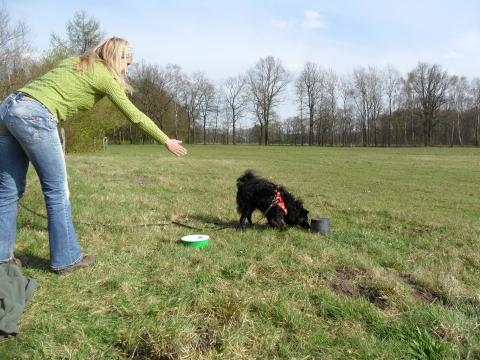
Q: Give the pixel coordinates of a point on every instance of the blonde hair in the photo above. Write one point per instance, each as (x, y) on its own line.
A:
(114, 53)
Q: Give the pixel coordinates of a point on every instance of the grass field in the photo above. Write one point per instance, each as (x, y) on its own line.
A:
(398, 277)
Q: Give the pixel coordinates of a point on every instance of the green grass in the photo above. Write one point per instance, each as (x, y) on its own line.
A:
(398, 277)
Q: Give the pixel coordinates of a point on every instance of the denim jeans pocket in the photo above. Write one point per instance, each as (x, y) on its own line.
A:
(31, 120)
(4, 106)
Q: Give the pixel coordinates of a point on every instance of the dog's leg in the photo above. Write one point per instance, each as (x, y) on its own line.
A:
(249, 216)
(276, 221)
(242, 221)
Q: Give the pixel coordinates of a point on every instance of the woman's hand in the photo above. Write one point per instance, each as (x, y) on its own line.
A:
(173, 145)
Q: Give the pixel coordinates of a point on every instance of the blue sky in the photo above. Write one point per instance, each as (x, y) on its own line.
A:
(225, 38)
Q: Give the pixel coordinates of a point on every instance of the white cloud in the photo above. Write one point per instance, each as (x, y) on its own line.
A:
(313, 20)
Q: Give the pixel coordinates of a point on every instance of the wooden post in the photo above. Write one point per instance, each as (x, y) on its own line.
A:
(105, 143)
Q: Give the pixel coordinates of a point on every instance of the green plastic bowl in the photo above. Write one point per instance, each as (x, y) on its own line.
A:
(197, 241)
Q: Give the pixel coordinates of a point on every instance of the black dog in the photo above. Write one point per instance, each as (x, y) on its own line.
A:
(274, 201)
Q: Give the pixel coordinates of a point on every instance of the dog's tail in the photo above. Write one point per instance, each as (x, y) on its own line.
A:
(249, 174)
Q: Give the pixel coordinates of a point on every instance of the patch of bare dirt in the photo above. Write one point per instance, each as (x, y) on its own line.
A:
(142, 180)
(424, 293)
(346, 282)
(207, 340)
(145, 349)
(374, 296)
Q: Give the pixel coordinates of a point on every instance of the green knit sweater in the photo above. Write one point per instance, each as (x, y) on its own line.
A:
(66, 90)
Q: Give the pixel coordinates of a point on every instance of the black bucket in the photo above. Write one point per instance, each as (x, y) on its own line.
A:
(321, 226)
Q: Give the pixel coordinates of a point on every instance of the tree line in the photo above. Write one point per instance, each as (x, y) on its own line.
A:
(371, 106)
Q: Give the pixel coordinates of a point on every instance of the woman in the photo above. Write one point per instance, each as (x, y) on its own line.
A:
(28, 133)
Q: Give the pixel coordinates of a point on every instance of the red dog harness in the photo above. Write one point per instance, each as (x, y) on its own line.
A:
(278, 200)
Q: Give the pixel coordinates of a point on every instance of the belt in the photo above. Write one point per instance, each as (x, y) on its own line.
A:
(27, 96)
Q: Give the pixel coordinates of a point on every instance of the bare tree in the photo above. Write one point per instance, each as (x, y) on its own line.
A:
(308, 86)
(368, 98)
(430, 84)
(411, 111)
(14, 49)
(207, 104)
(227, 124)
(475, 91)
(267, 80)
(374, 82)
(236, 100)
(331, 97)
(460, 102)
(346, 96)
(175, 83)
(150, 91)
(361, 101)
(392, 83)
(300, 95)
(216, 115)
(191, 101)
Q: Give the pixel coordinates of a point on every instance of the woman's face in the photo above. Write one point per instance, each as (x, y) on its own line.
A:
(128, 62)
(128, 58)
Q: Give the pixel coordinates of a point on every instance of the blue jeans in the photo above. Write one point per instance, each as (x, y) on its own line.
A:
(28, 133)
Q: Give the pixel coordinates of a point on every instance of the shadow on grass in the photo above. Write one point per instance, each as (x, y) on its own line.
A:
(30, 224)
(216, 223)
(32, 261)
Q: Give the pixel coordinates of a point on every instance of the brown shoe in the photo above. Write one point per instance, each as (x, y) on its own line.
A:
(15, 261)
(86, 261)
